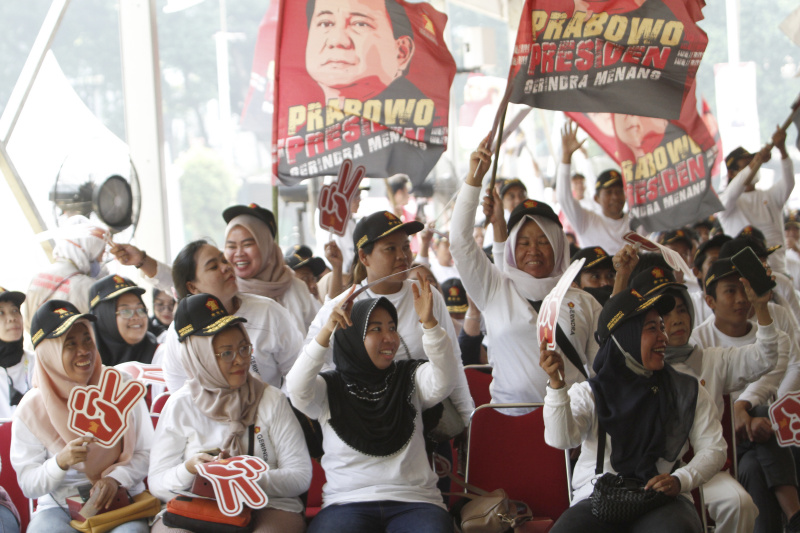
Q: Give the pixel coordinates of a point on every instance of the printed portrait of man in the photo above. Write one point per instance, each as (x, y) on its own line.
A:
(359, 48)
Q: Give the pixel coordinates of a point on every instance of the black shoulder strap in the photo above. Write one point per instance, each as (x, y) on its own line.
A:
(563, 343)
(251, 446)
(601, 449)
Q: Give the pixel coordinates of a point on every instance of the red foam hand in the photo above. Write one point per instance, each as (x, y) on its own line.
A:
(235, 483)
(785, 417)
(335, 198)
(103, 410)
(141, 372)
(548, 320)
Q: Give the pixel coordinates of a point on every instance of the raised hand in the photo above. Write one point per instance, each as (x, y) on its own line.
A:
(553, 364)
(569, 141)
(340, 318)
(423, 302)
(479, 161)
(493, 206)
(333, 254)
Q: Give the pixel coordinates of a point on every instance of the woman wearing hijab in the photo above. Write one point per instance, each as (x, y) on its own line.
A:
(536, 255)
(258, 262)
(222, 407)
(121, 327)
(16, 362)
(378, 475)
(201, 268)
(51, 460)
(721, 370)
(646, 413)
(163, 313)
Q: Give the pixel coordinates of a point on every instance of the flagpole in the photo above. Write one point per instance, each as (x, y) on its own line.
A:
(497, 152)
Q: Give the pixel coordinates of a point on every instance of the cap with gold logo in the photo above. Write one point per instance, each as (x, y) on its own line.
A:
(15, 297)
(202, 314)
(382, 224)
(455, 296)
(626, 305)
(721, 268)
(608, 178)
(595, 257)
(654, 281)
(111, 288)
(255, 210)
(53, 319)
(532, 208)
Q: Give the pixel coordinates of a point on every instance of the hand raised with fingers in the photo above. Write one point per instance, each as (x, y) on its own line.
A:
(479, 162)
(423, 302)
(569, 141)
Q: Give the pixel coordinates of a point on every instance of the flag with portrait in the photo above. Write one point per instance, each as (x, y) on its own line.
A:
(366, 80)
(614, 56)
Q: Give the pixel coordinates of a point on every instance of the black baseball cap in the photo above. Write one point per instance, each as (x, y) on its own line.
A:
(381, 224)
(734, 246)
(204, 315)
(595, 257)
(655, 280)
(514, 182)
(54, 318)
(714, 242)
(608, 178)
(708, 223)
(14, 297)
(735, 155)
(264, 215)
(792, 220)
(111, 287)
(721, 268)
(755, 233)
(676, 235)
(626, 305)
(533, 208)
(301, 255)
(455, 296)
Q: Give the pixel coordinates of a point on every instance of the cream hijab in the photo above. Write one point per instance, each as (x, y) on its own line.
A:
(529, 287)
(44, 410)
(275, 277)
(211, 393)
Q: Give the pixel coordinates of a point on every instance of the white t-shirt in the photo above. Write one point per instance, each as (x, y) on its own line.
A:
(183, 431)
(21, 377)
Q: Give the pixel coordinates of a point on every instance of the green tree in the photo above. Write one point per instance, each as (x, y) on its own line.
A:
(207, 188)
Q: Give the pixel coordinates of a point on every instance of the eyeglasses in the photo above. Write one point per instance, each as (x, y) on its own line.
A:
(244, 351)
(127, 314)
(165, 307)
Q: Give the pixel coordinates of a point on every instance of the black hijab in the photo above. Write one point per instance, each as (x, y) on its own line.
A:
(371, 409)
(648, 415)
(10, 353)
(112, 347)
(156, 327)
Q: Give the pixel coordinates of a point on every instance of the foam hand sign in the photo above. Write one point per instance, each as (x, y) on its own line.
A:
(334, 199)
(785, 417)
(144, 373)
(551, 305)
(104, 410)
(235, 483)
(672, 257)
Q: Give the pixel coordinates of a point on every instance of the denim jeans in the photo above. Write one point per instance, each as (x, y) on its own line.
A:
(8, 522)
(56, 520)
(382, 516)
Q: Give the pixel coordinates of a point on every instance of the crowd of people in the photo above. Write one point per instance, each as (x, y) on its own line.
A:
(356, 359)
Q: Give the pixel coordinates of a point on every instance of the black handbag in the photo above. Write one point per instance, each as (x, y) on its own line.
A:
(619, 500)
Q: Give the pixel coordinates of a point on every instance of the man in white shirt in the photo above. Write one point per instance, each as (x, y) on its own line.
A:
(704, 257)
(791, 230)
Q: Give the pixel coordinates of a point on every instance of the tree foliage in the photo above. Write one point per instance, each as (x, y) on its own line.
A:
(207, 188)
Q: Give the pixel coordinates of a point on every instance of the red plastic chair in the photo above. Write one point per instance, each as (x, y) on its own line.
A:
(158, 406)
(509, 452)
(479, 377)
(314, 499)
(8, 477)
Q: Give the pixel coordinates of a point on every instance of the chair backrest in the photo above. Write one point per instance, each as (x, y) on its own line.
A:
(729, 435)
(8, 477)
(509, 452)
(479, 377)
(314, 499)
(158, 406)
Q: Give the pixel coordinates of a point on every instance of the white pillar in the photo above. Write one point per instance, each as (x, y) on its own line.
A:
(144, 121)
(732, 18)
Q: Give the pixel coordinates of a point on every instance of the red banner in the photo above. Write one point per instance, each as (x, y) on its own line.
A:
(618, 56)
(667, 164)
(257, 111)
(367, 80)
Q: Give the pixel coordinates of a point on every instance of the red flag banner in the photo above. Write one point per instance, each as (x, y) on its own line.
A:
(667, 164)
(257, 110)
(366, 80)
(713, 129)
(618, 56)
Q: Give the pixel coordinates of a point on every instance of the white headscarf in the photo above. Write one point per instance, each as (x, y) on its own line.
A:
(80, 242)
(529, 287)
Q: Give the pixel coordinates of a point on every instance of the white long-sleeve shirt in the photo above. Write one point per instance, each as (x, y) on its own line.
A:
(276, 342)
(760, 208)
(184, 431)
(353, 476)
(511, 321)
(594, 229)
(570, 420)
(725, 369)
(40, 476)
(410, 331)
(19, 376)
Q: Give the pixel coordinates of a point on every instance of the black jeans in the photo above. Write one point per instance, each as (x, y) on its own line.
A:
(679, 516)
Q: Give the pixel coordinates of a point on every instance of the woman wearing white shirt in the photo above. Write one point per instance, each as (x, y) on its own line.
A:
(216, 408)
(646, 414)
(51, 459)
(17, 363)
(534, 259)
(378, 475)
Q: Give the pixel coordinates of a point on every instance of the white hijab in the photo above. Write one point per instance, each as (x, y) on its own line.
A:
(80, 241)
(529, 287)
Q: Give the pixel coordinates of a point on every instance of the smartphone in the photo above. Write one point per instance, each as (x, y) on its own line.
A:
(750, 267)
